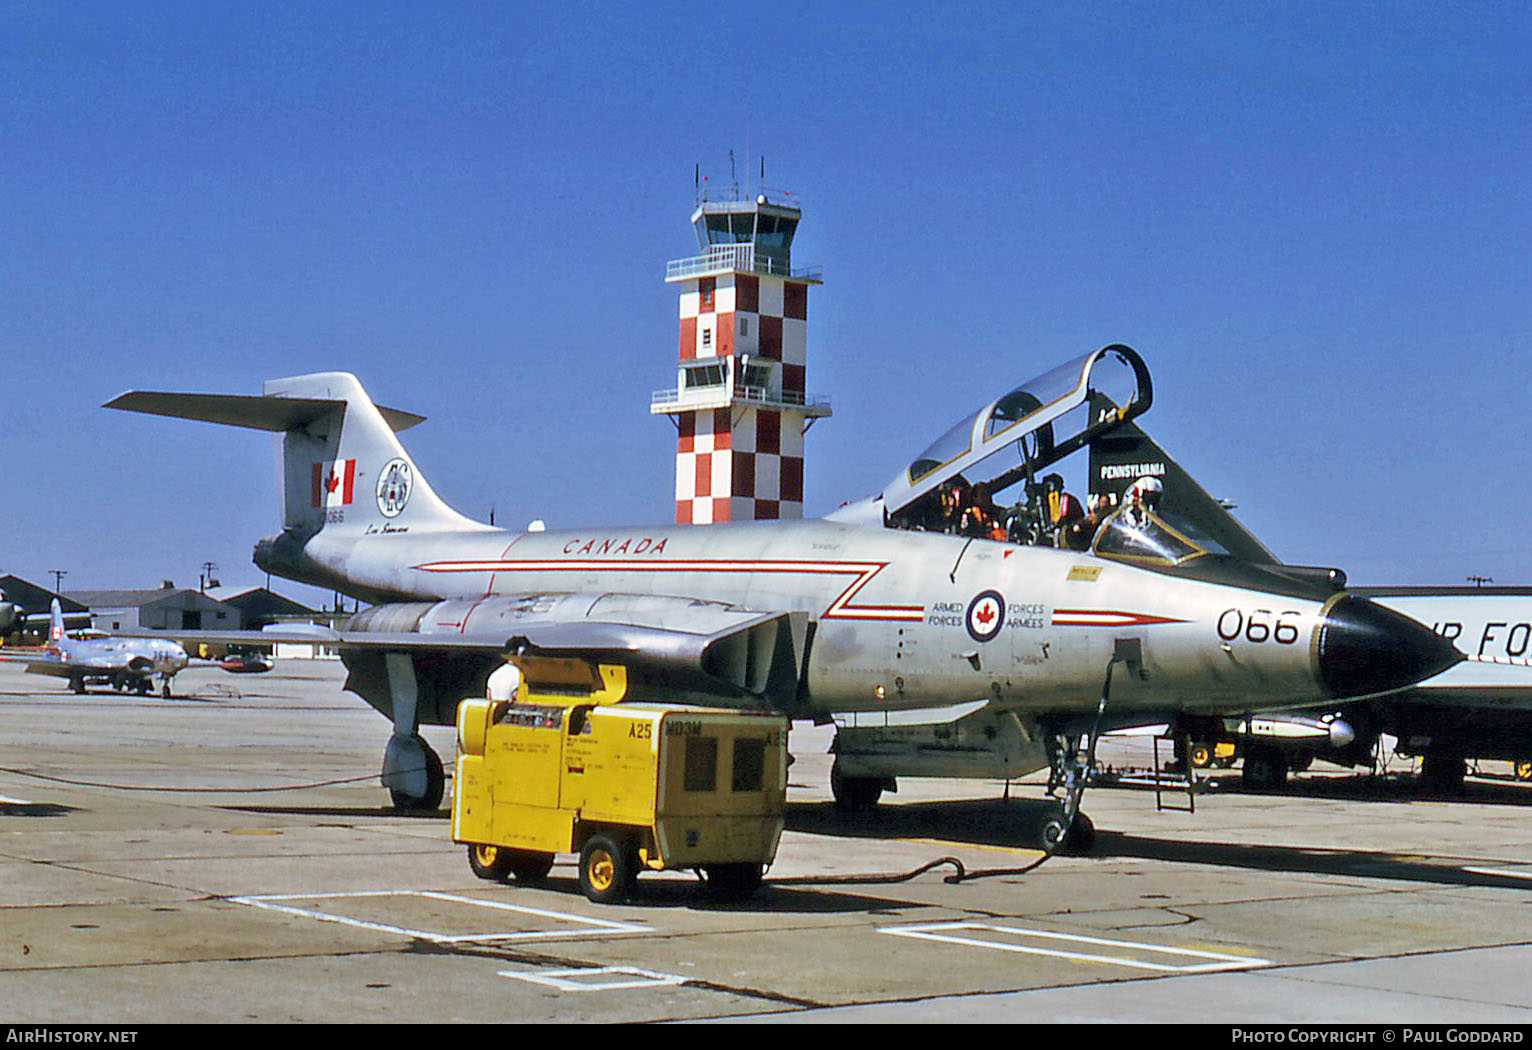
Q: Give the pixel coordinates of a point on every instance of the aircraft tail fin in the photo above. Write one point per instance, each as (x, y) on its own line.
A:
(343, 466)
(56, 623)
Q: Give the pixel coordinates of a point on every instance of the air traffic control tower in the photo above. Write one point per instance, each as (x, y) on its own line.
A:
(739, 404)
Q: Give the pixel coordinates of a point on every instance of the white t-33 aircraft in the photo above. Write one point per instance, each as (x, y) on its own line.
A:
(939, 654)
(96, 658)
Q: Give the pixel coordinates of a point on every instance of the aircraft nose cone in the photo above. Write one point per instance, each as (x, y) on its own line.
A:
(1364, 649)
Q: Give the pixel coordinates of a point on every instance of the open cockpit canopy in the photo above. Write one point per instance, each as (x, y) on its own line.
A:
(1019, 435)
(993, 476)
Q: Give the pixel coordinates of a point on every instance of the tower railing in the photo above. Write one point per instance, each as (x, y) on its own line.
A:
(738, 258)
(675, 399)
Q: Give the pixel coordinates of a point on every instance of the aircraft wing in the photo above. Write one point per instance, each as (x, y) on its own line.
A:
(37, 661)
(708, 647)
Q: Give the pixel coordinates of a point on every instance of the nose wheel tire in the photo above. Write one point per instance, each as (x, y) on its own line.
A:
(1079, 840)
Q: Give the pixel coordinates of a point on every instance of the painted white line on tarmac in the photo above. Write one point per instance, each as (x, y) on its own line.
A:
(584, 926)
(1508, 873)
(947, 933)
(596, 979)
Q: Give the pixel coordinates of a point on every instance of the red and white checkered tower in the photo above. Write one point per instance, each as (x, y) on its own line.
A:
(740, 405)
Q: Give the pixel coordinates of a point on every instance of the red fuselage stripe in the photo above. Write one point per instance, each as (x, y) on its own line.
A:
(1107, 618)
(839, 609)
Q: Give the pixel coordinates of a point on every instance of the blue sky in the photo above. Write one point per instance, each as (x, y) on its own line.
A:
(1313, 220)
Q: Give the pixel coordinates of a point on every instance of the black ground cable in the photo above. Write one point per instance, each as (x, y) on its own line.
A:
(194, 790)
(960, 875)
(870, 880)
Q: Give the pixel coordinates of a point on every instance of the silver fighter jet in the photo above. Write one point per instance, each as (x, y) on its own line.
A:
(123, 663)
(938, 654)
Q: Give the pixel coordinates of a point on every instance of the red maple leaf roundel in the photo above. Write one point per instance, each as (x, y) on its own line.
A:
(984, 619)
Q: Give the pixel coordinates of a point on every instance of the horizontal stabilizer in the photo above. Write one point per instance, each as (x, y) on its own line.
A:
(257, 412)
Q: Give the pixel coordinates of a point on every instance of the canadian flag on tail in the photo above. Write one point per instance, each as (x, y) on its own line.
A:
(334, 482)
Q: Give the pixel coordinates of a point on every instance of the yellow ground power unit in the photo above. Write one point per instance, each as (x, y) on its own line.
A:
(627, 787)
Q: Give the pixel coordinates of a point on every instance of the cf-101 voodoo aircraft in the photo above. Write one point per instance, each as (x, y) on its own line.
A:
(939, 654)
(124, 663)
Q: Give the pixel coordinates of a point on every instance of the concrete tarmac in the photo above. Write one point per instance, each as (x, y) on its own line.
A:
(228, 855)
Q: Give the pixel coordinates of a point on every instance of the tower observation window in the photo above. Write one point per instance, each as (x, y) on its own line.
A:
(757, 375)
(704, 375)
(733, 228)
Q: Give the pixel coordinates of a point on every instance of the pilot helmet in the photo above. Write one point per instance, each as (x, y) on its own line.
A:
(1147, 491)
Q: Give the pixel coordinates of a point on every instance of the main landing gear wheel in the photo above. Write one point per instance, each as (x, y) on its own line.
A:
(608, 870)
(1265, 769)
(854, 793)
(1443, 772)
(435, 784)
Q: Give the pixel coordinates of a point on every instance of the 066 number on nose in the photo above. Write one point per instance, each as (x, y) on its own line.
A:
(1259, 625)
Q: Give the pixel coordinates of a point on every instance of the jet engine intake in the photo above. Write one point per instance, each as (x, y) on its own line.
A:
(672, 648)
